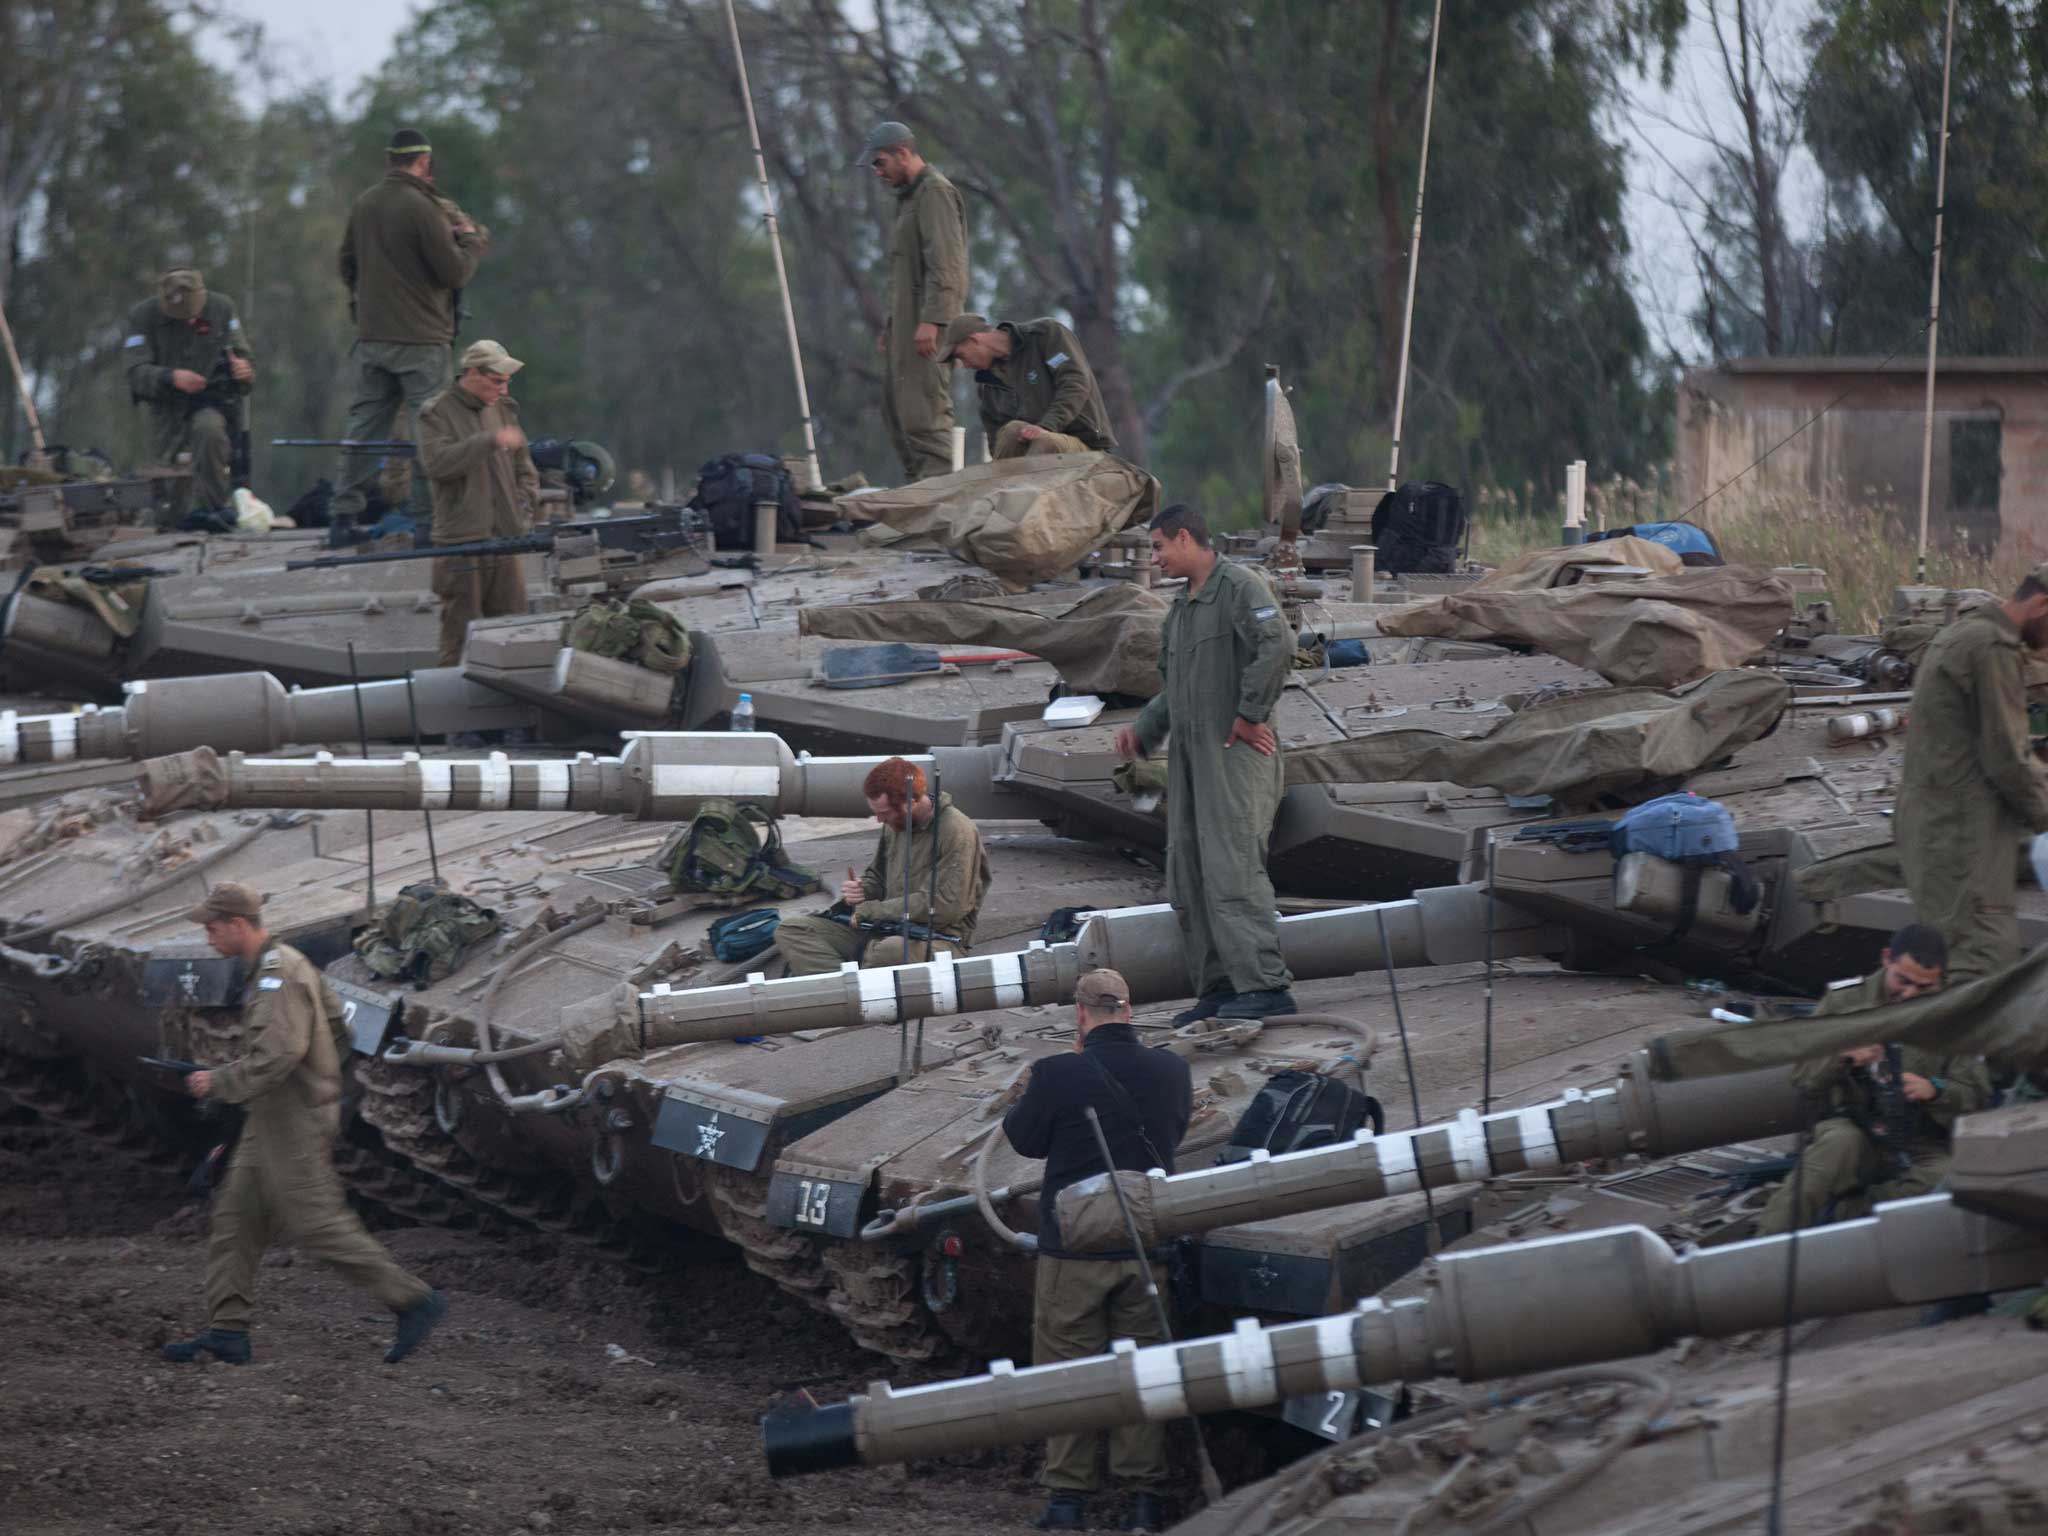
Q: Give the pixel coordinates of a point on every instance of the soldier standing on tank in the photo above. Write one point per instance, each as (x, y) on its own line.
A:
(405, 253)
(1972, 785)
(474, 454)
(1225, 655)
(874, 907)
(927, 288)
(1038, 394)
(1144, 1099)
(1848, 1164)
(175, 342)
(281, 1182)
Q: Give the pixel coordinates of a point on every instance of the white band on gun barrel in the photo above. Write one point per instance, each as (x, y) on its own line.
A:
(1248, 1365)
(1006, 976)
(1157, 1372)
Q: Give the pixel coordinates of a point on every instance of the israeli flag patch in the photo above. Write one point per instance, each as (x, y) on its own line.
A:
(234, 322)
(132, 341)
(1056, 360)
(270, 984)
(1263, 614)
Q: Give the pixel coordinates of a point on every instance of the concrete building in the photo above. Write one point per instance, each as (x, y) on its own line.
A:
(1990, 480)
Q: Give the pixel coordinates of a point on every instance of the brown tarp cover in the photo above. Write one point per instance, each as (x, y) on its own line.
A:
(1539, 569)
(1578, 747)
(118, 604)
(2002, 1017)
(1106, 641)
(184, 781)
(1658, 633)
(1024, 519)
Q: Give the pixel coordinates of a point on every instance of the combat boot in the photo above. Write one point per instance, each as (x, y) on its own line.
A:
(1144, 1514)
(1258, 1005)
(1063, 1512)
(228, 1345)
(414, 1324)
(1207, 1006)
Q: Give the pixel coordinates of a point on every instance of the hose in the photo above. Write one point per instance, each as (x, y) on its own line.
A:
(513, 962)
(130, 896)
(1017, 1240)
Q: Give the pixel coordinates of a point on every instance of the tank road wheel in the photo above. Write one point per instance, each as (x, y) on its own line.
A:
(739, 1200)
(877, 1296)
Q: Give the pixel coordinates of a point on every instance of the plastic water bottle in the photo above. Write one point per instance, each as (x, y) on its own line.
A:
(743, 714)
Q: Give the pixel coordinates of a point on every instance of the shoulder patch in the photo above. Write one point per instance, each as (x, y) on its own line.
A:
(234, 322)
(272, 961)
(270, 984)
(1263, 614)
(133, 341)
(1057, 359)
(1852, 981)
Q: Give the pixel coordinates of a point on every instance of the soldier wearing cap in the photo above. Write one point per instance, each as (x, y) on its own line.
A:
(1972, 786)
(1038, 394)
(1144, 1099)
(406, 253)
(473, 452)
(175, 342)
(281, 1182)
(927, 288)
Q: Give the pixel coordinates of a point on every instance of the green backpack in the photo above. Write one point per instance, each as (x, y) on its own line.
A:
(424, 934)
(730, 849)
(629, 630)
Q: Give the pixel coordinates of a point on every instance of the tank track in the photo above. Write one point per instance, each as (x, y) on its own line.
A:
(66, 1096)
(398, 1104)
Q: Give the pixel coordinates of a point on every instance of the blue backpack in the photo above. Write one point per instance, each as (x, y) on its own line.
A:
(1679, 538)
(744, 935)
(1693, 833)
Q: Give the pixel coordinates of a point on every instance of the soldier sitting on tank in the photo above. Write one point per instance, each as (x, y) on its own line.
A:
(1856, 1158)
(903, 908)
(1038, 394)
(179, 346)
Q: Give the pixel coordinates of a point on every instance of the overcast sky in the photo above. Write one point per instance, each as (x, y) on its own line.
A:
(340, 44)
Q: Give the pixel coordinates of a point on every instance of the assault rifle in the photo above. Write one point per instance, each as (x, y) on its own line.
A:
(223, 393)
(650, 533)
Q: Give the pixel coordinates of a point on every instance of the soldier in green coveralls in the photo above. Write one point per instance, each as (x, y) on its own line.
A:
(174, 343)
(1225, 655)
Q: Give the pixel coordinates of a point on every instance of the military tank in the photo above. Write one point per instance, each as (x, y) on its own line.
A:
(1682, 1443)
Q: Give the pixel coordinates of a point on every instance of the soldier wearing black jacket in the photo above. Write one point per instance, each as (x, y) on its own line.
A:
(1144, 1098)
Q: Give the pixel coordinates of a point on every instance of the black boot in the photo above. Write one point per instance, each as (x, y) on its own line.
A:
(1063, 1512)
(224, 1344)
(414, 1324)
(1144, 1514)
(1207, 1006)
(1258, 1005)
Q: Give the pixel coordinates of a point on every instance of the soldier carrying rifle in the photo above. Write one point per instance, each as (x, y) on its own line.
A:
(190, 363)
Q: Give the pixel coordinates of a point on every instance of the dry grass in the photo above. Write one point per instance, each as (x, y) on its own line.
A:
(1866, 549)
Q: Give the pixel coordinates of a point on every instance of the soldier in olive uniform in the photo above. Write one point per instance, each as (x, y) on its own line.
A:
(927, 288)
(1846, 1166)
(1225, 655)
(175, 342)
(1972, 787)
(405, 254)
(281, 1182)
(946, 899)
(1038, 394)
(473, 452)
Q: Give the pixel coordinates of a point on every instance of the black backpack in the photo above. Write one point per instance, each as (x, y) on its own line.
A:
(1295, 1111)
(1419, 528)
(727, 489)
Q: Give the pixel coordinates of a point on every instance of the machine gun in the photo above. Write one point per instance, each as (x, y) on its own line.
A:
(652, 533)
(1894, 1109)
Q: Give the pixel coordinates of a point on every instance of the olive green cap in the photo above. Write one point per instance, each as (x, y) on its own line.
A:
(227, 899)
(958, 329)
(886, 136)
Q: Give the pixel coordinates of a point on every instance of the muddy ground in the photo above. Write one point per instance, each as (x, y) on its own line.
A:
(514, 1417)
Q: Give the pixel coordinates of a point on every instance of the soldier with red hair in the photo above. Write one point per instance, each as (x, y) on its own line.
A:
(884, 917)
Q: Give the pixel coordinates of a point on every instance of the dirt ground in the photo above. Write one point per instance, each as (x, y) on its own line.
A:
(515, 1417)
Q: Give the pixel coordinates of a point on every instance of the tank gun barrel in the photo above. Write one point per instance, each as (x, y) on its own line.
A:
(1635, 1115)
(1491, 1312)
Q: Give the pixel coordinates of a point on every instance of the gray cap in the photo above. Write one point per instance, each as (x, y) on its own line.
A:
(886, 136)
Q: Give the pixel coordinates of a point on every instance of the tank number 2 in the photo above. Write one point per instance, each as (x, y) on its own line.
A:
(1336, 1424)
(812, 1197)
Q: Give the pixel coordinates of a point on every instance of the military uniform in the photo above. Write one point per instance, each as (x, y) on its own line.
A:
(1970, 790)
(927, 285)
(1045, 381)
(815, 944)
(403, 262)
(281, 1182)
(1844, 1170)
(157, 345)
(481, 491)
(1225, 653)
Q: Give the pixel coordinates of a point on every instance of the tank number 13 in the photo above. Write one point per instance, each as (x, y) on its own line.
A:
(812, 1197)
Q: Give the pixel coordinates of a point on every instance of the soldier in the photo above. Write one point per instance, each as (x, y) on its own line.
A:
(1038, 394)
(177, 344)
(1144, 1099)
(868, 923)
(281, 1180)
(1225, 654)
(927, 287)
(406, 252)
(1972, 785)
(474, 453)
(1854, 1160)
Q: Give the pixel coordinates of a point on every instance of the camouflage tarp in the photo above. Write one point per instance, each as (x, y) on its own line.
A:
(1107, 641)
(1025, 519)
(1537, 570)
(1576, 748)
(2002, 1017)
(182, 781)
(1659, 632)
